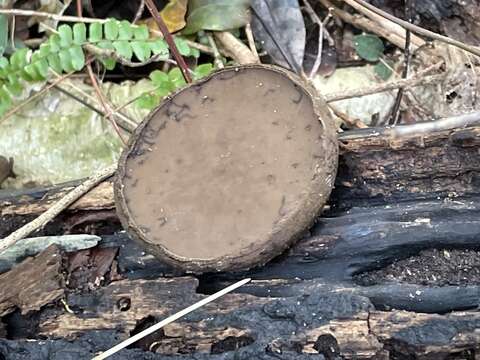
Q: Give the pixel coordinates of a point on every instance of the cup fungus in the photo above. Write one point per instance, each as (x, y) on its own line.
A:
(228, 172)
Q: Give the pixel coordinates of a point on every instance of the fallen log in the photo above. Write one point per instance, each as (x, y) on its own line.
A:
(335, 324)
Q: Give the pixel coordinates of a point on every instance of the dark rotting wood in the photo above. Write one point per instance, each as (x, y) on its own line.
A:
(36, 282)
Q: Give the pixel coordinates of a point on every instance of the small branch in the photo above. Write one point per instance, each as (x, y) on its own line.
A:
(57, 208)
(331, 97)
(46, 15)
(14, 110)
(170, 319)
(124, 122)
(235, 48)
(169, 39)
(417, 129)
(251, 41)
(321, 26)
(385, 29)
(103, 101)
(395, 114)
(417, 29)
(216, 54)
(139, 13)
(351, 123)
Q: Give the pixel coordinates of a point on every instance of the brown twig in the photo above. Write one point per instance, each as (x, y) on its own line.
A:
(123, 121)
(251, 41)
(395, 114)
(419, 30)
(103, 101)
(46, 15)
(169, 39)
(139, 13)
(216, 54)
(12, 111)
(235, 48)
(395, 35)
(57, 208)
(416, 81)
(351, 123)
(79, 8)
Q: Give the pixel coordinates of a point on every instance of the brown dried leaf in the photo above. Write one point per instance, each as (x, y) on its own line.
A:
(173, 14)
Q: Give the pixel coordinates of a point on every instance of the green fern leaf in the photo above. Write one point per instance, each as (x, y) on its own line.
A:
(95, 32)
(141, 32)
(111, 29)
(66, 36)
(123, 49)
(54, 63)
(66, 60)
(141, 50)
(79, 33)
(78, 57)
(159, 47)
(125, 30)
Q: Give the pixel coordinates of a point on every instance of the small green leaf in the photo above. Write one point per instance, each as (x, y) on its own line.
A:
(95, 32)
(54, 43)
(159, 47)
(147, 101)
(66, 36)
(42, 67)
(24, 75)
(31, 70)
(66, 60)
(106, 44)
(125, 30)
(202, 71)
(141, 50)
(35, 56)
(123, 49)
(78, 57)
(13, 86)
(141, 32)
(162, 92)
(369, 47)
(3, 33)
(111, 29)
(108, 63)
(158, 77)
(382, 70)
(182, 46)
(79, 33)
(195, 53)
(19, 59)
(176, 77)
(44, 49)
(54, 62)
(4, 65)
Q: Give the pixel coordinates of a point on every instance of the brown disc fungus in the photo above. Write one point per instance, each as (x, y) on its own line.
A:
(229, 171)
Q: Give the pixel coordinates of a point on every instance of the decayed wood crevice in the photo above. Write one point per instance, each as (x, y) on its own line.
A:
(379, 167)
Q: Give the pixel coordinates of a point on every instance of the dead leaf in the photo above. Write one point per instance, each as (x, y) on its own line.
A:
(173, 14)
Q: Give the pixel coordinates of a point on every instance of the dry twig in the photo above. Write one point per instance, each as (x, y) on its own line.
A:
(416, 29)
(57, 207)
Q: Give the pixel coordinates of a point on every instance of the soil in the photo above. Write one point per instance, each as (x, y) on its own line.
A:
(431, 267)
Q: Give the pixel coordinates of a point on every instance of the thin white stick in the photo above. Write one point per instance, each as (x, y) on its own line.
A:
(169, 320)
